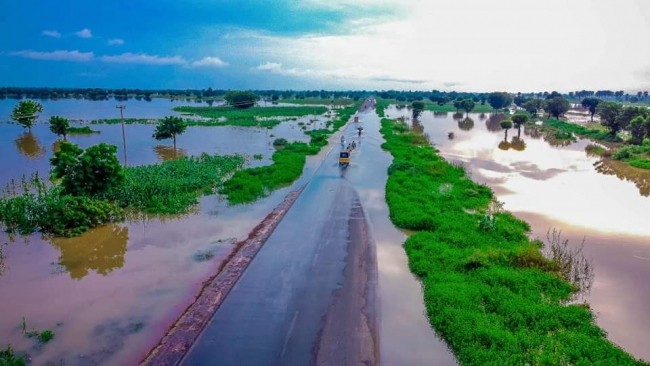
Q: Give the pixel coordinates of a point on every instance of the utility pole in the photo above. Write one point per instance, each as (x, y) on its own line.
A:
(121, 108)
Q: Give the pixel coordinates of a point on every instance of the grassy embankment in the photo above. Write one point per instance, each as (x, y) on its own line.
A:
(250, 184)
(251, 117)
(171, 187)
(229, 116)
(85, 130)
(321, 101)
(636, 155)
(489, 291)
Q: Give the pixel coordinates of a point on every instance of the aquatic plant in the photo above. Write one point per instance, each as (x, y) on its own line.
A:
(85, 130)
(9, 358)
(172, 187)
(251, 114)
(489, 290)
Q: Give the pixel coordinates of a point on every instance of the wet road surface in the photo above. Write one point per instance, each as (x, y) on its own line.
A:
(310, 296)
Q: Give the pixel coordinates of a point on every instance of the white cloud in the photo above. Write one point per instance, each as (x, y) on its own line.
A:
(84, 33)
(210, 61)
(59, 55)
(144, 59)
(51, 33)
(277, 68)
(115, 42)
(465, 45)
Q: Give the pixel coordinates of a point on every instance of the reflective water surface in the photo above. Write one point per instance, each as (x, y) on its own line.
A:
(605, 203)
(110, 294)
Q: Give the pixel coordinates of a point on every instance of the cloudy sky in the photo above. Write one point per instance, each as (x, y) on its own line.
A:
(469, 45)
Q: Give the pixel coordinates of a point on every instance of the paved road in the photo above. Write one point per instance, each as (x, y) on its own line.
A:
(309, 296)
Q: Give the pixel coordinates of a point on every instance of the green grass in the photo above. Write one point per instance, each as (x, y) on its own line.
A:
(636, 155)
(9, 358)
(251, 184)
(85, 130)
(567, 130)
(489, 292)
(172, 187)
(231, 113)
(321, 101)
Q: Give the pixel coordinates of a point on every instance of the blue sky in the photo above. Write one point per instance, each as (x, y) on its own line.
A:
(333, 44)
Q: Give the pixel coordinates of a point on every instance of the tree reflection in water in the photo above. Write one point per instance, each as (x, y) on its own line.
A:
(466, 124)
(493, 123)
(518, 144)
(622, 170)
(101, 250)
(165, 152)
(29, 146)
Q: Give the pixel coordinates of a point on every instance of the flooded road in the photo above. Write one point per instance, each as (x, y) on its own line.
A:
(561, 187)
(110, 294)
(291, 305)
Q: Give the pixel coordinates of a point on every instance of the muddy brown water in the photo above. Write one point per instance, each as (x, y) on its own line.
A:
(605, 203)
(111, 293)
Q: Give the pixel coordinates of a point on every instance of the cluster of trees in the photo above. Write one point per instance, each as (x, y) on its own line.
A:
(617, 117)
(554, 104)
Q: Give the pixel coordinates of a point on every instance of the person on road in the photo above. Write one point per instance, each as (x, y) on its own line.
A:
(354, 145)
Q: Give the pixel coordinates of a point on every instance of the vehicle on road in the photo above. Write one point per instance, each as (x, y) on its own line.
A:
(344, 158)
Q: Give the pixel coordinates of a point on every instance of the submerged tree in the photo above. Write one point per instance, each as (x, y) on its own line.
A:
(591, 104)
(467, 105)
(418, 107)
(519, 119)
(506, 124)
(26, 112)
(241, 99)
(169, 127)
(557, 106)
(59, 126)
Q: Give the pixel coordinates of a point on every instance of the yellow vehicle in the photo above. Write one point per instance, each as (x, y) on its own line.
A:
(344, 158)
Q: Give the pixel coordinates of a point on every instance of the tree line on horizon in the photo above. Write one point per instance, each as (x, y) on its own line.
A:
(437, 96)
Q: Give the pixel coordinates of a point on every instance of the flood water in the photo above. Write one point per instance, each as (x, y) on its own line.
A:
(110, 294)
(605, 203)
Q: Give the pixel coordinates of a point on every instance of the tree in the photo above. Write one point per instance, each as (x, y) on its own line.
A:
(169, 127)
(59, 126)
(591, 104)
(506, 124)
(557, 106)
(532, 106)
(458, 104)
(608, 112)
(637, 130)
(499, 100)
(520, 100)
(627, 114)
(26, 112)
(92, 172)
(241, 99)
(519, 119)
(467, 105)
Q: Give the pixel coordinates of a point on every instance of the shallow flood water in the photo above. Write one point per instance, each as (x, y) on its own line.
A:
(110, 294)
(556, 187)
